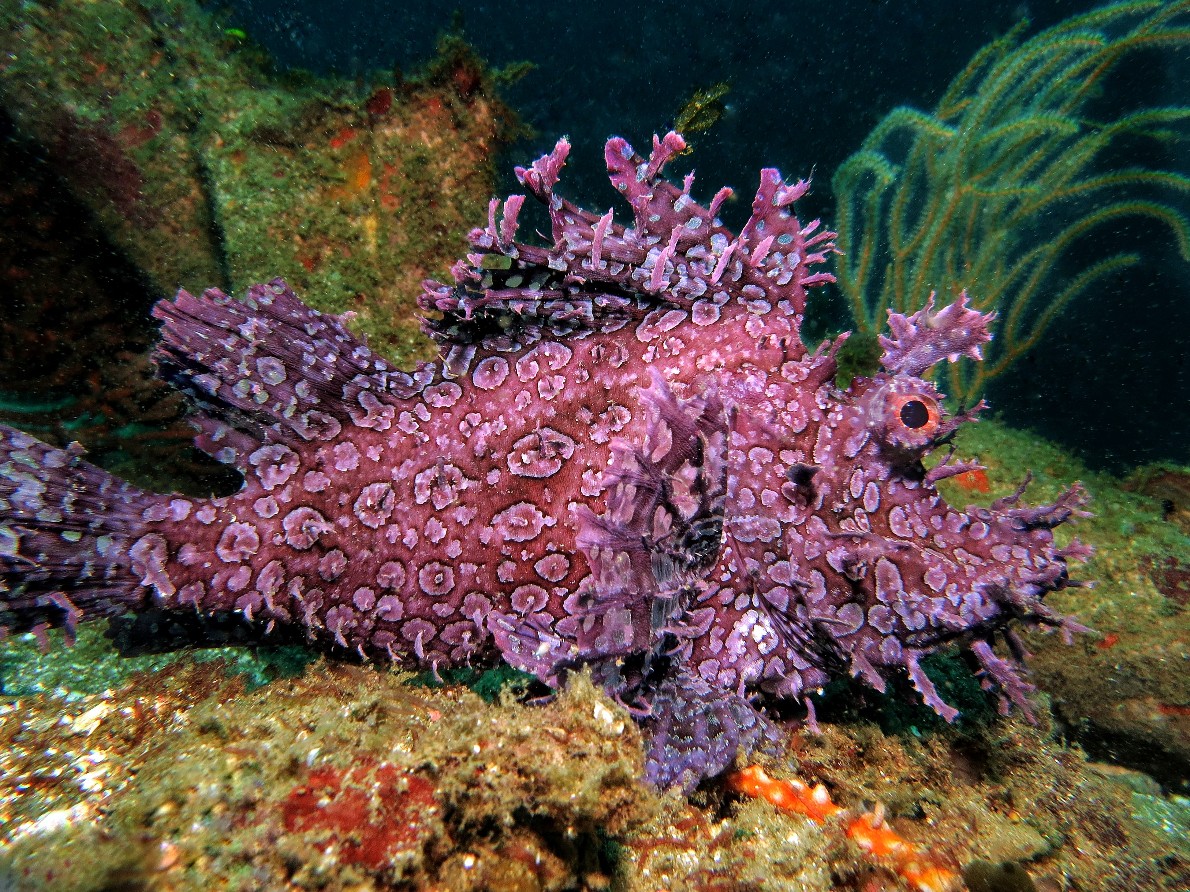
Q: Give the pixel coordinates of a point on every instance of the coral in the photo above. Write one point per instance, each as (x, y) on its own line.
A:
(922, 871)
(995, 187)
(185, 780)
(339, 778)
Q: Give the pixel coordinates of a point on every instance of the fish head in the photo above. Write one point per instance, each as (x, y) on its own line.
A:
(881, 567)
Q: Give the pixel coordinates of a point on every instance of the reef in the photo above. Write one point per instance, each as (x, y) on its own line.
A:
(351, 778)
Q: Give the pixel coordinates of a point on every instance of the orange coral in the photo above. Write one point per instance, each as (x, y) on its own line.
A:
(975, 480)
(923, 871)
(788, 795)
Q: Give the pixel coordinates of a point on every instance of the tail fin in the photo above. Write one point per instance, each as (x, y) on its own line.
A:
(66, 528)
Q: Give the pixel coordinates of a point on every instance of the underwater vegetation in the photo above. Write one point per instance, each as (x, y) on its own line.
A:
(993, 190)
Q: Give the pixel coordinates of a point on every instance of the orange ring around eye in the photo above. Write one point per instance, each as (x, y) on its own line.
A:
(915, 413)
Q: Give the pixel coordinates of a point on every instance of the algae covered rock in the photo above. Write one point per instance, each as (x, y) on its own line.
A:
(206, 167)
(345, 775)
(1123, 691)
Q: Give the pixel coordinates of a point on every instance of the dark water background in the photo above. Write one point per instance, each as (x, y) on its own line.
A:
(808, 82)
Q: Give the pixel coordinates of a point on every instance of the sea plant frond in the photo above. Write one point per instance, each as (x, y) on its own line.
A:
(991, 190)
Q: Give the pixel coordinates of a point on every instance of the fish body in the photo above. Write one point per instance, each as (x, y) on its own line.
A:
(624, 458)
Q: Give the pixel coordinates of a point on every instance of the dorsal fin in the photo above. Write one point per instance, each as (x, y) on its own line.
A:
(268, 369)
(599, 275)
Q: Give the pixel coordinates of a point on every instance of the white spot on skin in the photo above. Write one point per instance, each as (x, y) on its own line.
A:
(375, 504)
(376, 415)
(438, 484)
(540, 454)
(237, 581)
(553, 567)
(857, 484)
(817, 590)
(882, 619)
(434, 530)
(303, 526)
(315, 425)
(270, 579)
(592, 483)
(346, 457)
(550, 386)
(192, 594)
(444, 395)
(390, 609)
(783, 573)
(490, 373)
(149, 555)
(935, 578)
(266, 507)
(391, 575)
(529, 598)
(436, 579)
(521, 522)
(704, 313)
(332, 565)
(238, 543)
(315, 481)
(889, 585)
(506, 571)
(476, 607)
(898, 522)
(671, 320)
(270, 369)
(363, 599)
(274, 464)
(555, 355)
(871, 498)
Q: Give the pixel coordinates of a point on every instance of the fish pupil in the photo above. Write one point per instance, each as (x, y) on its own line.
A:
(914, 414)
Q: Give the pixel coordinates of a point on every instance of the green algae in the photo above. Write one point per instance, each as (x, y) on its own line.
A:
(94, 665)
(207, 167)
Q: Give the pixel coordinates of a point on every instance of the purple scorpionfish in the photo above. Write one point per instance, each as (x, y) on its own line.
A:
(624, 458)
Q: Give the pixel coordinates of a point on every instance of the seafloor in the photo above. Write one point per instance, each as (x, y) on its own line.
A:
(243, 769)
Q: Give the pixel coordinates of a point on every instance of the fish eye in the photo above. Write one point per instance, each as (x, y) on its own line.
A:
(913, 418)
(914, 414)
(905, 415)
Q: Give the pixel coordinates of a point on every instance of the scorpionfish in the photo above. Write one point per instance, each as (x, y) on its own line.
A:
(624, 458)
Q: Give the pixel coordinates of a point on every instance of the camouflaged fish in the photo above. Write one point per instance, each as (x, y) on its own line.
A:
(625, 458)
